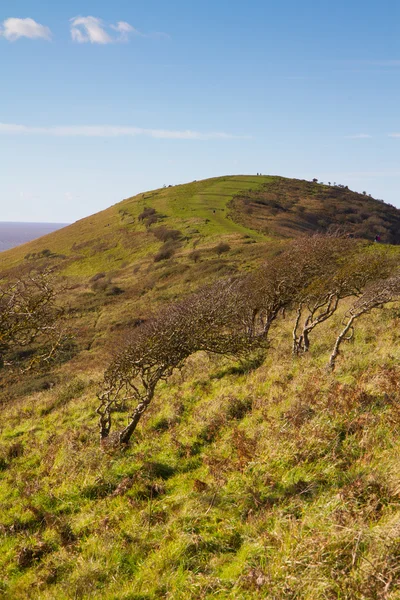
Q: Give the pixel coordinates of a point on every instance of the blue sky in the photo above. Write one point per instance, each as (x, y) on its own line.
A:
(101, 100)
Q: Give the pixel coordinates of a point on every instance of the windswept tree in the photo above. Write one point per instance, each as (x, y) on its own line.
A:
(268, 291)
(29, 319)
(346, 269)
(210, 320)
(375, 296)
(233, 317)
(280, 284)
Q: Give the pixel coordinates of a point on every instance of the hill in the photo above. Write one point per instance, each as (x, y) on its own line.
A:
(265, 478)
(238, 209)
(160, 245)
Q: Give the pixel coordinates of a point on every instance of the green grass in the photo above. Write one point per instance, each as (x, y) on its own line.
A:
(114, 236)
(279, 480)
(234, 209)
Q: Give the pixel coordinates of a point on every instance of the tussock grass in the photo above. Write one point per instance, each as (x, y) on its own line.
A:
(276, 479)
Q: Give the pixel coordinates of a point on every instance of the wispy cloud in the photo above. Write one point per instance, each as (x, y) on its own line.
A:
(125, 30)
(89, 29)
(109, 131)
(359, 136)
(394, 135)
(13, 29)
(95, 31)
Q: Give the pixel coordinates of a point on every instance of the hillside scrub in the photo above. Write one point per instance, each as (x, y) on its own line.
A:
(375, 296)
(164, 234)
(344, 273)
(221, 248)
(290, 207)
(29, 319)
(166, 251)
(234, 316)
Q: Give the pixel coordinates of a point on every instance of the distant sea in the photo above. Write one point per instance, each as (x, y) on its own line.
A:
(14, 234)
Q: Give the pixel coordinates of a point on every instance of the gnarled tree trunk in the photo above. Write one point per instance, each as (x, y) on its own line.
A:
(126, 434)
(340, 338)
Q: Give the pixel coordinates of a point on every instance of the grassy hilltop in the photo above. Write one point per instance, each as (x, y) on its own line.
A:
(239, 209)
(266, 478)
(104, 241)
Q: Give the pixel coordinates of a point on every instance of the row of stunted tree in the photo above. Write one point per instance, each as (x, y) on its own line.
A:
(308, 279)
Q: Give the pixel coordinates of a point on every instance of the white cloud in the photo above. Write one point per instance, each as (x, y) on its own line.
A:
(394, 135)
(89, 29)
(13, 29)
(124, 29)
(359, 136)
(109, 131)
(95, 31)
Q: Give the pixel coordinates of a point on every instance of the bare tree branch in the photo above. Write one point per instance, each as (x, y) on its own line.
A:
(29, 316)
(376, 296)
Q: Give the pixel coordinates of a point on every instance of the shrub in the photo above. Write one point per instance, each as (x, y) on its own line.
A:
(166, 251)
(151, 220)
(164, 235)
(114, 290)
(29, 318)
(221, 248)
(147, 212)
(46, 253)
(100, 285)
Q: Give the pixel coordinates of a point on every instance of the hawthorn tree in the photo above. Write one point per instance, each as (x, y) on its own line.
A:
(345, 270)
(29, 317)
(375, 296)
(281, 283)
(233, 317)
(210, 320)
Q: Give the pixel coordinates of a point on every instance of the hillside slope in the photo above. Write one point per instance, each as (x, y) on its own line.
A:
(266, 478)
(235, 209)
(243, 481)
(199, 210)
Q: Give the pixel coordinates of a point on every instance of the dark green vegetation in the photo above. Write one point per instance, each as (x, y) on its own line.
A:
(267, 477)
(289, 207)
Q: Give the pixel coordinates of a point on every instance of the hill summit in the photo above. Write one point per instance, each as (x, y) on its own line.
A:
(201, 213)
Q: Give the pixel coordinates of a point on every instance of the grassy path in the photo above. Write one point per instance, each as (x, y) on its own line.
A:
(209, 200)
